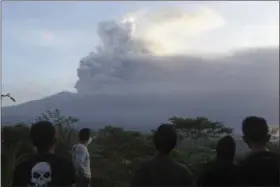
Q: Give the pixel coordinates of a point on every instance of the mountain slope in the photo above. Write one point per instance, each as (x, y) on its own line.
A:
(147, 110)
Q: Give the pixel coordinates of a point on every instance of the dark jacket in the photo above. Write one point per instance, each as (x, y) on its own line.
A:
(260, 169)
(162, 171)
(219, 173)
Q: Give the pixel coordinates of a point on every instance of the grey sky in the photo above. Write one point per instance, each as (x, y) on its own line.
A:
(43, 43)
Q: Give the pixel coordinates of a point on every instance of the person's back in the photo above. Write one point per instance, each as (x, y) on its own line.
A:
(162, 170)
(221, 171)
(45, 168)
(219, 174)
(261, 167)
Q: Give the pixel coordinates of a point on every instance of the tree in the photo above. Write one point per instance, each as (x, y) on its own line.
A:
(273, 145)
(115, 153)
(121, 152)
(16, 146)
(199, 127)
(197, 137)
(274, 132)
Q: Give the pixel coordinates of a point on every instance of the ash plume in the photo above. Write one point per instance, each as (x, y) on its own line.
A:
(124, 64)
(117, 52)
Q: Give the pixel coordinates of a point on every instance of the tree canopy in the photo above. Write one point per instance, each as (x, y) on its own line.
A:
(115, 152)
(199, 127)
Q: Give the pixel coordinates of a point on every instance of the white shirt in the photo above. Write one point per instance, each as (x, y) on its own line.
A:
(81, 160)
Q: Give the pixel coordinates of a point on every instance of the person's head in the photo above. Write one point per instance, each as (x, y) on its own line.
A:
(165, 138)
(255, 132)
(84, 135)
(225, 149)
(43, 136)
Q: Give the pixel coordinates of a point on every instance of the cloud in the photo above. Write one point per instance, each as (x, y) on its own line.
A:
(267, 34)
(168, 29)
(56, 39)
(46, 38)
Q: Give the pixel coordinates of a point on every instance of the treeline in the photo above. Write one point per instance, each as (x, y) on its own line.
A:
(115, 153)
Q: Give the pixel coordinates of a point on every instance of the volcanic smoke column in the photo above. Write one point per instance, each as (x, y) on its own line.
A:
(118, 47)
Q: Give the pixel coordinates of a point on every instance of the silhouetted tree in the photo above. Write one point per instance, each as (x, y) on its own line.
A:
(199, 127)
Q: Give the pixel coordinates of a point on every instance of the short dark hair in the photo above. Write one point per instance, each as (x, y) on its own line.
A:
(226, 148)
(43, 135)
(165, 138)
(84, 134)
(255, 129)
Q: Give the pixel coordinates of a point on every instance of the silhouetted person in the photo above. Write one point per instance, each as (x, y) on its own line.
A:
(261, 167)
(222, 171)
(81, 158)
(162, 170)
(45, 168)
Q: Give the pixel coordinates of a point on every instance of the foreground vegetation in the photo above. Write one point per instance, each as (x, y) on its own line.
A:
(115, 153)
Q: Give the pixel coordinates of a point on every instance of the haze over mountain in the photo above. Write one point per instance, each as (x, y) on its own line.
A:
(128, 80)
(226, 92)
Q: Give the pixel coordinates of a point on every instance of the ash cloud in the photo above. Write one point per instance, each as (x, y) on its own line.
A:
(224, 88)
(124, 64)
(118, 54)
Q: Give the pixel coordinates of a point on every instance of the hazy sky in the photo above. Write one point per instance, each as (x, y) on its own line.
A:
(43, 42)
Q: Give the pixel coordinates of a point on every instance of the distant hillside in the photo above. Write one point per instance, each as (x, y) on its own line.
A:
(146, 111)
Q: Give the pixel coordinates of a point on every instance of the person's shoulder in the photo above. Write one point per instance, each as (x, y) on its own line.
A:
(27, 161)
(210, 164)
(257, 161)
(208, 167)
(62, 161)
(79, 147)
(262, 156)
(145, 164)
(25, 165)
(273, 155)
(63, 164)
(54, 160)
(147, 161)
(183, 172)
(182, 168)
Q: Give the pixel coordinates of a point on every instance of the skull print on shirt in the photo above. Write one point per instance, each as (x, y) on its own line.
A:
(41, 175)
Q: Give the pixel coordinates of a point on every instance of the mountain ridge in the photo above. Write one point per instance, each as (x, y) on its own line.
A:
(139, 111)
